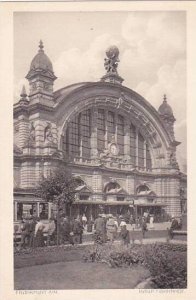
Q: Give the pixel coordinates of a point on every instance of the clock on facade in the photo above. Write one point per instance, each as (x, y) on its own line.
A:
(114, 149)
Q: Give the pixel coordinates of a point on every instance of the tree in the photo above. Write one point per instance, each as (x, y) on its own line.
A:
(59, 188)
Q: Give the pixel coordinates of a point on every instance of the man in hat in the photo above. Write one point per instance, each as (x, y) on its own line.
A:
(100, 229)
(111, 229)
(174, 226)
(25, 233)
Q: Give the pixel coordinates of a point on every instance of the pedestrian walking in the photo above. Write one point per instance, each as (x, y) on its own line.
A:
(151, 226)
(50, 232)
(39, 236)
(32, 224)
(25, 233)
(84, 220)
(144, 226)
(124, 235)
(100, 229)
(77, 231)
(111, 228)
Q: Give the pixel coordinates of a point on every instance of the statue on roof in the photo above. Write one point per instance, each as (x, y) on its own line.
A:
(111, 62)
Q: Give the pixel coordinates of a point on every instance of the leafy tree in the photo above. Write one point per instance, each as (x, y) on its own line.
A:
(59, 185)
(59, 188)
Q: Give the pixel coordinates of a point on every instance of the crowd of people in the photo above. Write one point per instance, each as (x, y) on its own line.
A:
(35, 233)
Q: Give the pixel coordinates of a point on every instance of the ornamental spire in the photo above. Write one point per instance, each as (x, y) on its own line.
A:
(41, 46)
(164, 98)
(23, 92)
(23, 95)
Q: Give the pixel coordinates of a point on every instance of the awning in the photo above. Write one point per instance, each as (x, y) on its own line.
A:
(102, 202)
(151, 204)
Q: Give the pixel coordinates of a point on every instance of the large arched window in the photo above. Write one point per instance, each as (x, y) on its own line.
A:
(106, 126)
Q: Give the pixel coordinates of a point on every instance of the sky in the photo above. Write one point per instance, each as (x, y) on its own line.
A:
(152, 56)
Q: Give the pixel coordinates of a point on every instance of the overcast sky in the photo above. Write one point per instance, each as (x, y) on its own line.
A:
(152, 53)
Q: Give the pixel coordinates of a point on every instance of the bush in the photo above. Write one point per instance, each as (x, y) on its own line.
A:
(166, 262)
(115, 255)
(167, 265)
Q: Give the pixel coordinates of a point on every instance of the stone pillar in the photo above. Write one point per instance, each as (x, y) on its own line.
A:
(49, 209)
(38, 210)
(106, 128)
(127, 140)
(136, 148)
(15, 210)
(23, 130)
(97, 184)
(115, 127)
(130, 185)
(27, 175)
(145, 155)
(38, 172)
(93, 141)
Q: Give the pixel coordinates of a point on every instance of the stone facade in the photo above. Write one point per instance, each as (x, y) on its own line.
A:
(107, 133)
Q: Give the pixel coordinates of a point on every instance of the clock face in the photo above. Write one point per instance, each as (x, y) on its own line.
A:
(114, 149)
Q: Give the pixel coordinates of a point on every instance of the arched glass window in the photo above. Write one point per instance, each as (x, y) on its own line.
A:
(110, 124)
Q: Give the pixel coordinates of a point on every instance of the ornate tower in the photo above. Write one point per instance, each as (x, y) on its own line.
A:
(111, 64)
(166, 114)
(41, 77)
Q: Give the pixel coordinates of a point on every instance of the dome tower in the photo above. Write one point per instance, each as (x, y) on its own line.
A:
(166, 114)
(41, 76)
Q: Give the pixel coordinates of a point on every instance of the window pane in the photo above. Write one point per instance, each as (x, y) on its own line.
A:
(120, 134)
(100, 130)
(133, 143)
(110, 125)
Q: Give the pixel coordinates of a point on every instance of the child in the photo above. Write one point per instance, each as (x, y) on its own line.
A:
(124, 235)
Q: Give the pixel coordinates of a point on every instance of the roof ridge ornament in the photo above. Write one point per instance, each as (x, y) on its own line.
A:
(41, 46)
(111, 65)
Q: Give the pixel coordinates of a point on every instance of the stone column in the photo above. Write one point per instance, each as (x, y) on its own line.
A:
(38, 172)
(93, 140)
(106, 128)
(115, 126)
(38, 211)
(23, 130)
(130, 185)
(136, 148)
(15, 210)
(127, 140)
(97, 184)
(27, 175)
(145, 164)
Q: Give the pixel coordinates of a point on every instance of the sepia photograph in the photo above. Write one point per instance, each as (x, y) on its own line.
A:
(97, 151)
(100, 169)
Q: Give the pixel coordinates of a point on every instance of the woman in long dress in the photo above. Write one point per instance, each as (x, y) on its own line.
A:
(39, 236)
(151, 222)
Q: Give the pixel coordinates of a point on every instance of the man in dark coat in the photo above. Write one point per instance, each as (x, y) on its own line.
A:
(174, 226)
(144, 226)
(77, 231)
(124, 235)
(32, 224)
(25, 233)
(100, 229)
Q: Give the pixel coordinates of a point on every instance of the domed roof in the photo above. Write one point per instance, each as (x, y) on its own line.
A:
(165, 109)
(41, 60)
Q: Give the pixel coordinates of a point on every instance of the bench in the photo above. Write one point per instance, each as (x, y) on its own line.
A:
(175, 232)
